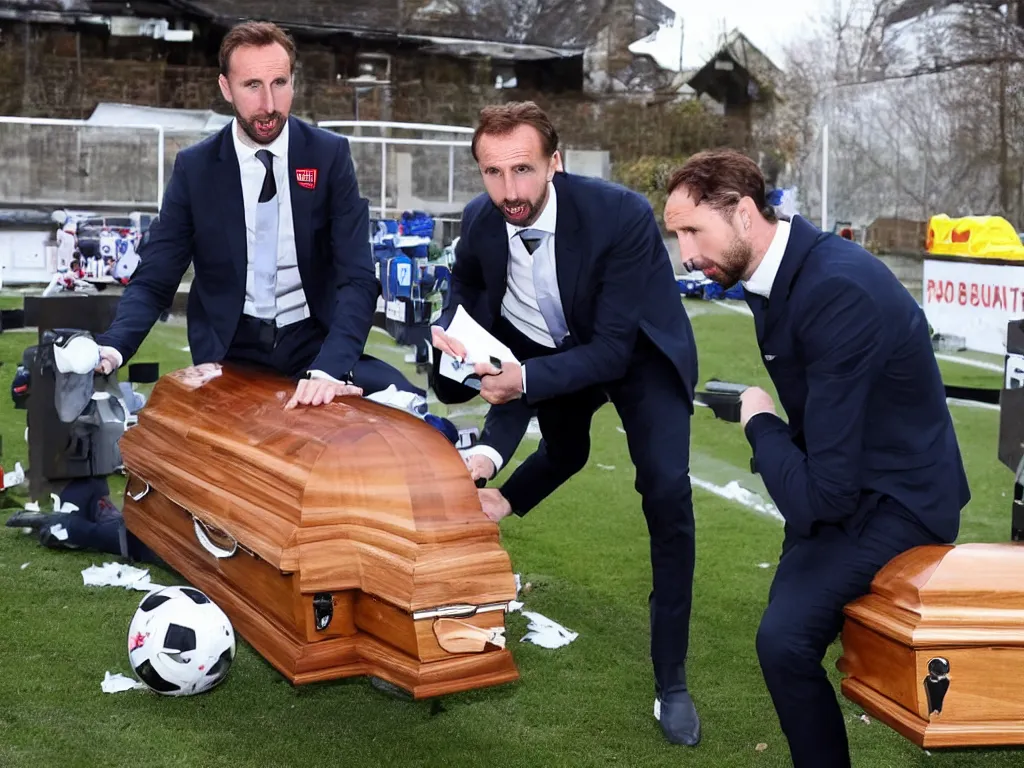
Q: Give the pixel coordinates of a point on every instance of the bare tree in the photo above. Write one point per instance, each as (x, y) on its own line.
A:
(924, 114)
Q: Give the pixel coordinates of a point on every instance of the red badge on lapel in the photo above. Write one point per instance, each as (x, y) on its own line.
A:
(306, 177)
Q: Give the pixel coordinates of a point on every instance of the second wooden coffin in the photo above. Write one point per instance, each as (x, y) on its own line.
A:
(341, 540)
(936, 649)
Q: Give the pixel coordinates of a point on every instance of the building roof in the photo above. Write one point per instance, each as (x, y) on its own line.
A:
(558, 25)
(511, 29)
(739, 71)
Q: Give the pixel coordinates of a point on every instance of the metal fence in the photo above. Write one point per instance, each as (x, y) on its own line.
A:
(79, 165)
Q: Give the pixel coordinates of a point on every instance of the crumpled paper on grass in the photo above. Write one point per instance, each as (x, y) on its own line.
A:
(118, 575)
(117, 683)
(546, 633)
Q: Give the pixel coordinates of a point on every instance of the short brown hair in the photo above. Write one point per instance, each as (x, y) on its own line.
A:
(721, 178)
(502, 119)
(256, 34)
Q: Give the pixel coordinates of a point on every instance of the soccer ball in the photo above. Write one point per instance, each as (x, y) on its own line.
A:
(180, 642)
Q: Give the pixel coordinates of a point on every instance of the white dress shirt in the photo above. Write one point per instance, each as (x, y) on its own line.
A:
(519, 305)
(291, 299)
(764, 276)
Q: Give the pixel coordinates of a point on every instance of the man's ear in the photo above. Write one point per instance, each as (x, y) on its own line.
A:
(225, 90)
(555, 165)
(746, 210)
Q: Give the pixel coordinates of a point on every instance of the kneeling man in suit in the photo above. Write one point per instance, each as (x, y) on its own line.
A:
(868, 465)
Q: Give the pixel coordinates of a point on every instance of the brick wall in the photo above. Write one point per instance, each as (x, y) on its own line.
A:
(59, 74)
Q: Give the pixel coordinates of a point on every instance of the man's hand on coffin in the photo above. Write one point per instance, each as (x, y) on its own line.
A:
(495, 505)
(446, 343)
(110, 360)
(480, 466)
(320, 392)
(500, 385)
(753, 401)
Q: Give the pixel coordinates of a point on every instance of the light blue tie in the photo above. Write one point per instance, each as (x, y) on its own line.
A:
(545, 283)
(264, 265)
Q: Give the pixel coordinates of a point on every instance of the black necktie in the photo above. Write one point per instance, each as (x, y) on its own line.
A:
(269, 185)
(531, 243)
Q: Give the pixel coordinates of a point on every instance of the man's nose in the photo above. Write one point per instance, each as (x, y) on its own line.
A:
(687, 249)
(267, 100)
(511, 190)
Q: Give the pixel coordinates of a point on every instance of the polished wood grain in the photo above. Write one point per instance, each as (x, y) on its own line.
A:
(964, 604)
(357, 500)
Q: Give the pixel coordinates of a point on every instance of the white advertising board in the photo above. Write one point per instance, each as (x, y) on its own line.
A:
(973, 301)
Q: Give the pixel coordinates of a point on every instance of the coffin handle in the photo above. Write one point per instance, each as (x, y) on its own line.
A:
(204, 540)
(457, 636)
(135, 496)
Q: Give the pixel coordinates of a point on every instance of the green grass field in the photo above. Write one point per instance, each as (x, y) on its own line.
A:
(584, 553)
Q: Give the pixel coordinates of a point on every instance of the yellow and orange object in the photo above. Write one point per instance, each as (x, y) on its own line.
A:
(976, 237)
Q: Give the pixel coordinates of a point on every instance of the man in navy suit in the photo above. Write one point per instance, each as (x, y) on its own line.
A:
(268, 211)
(868, 465)
(573, 276)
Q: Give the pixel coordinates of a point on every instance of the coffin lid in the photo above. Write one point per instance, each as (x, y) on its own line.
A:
(944, 594)
(217, 441)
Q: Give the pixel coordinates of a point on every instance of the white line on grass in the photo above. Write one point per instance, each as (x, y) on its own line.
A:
(743, 309)
(971, 404)
(969, 361)
(735, 492)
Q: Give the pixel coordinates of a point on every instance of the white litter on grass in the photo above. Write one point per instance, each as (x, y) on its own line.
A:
(117, 575)
(117, 683)
(24, 565)
(764, 565)
(186, 349)
(545, 632)
(16, 477)
(607, 467)
(541, 630)
(735, 492)
(620, 429)
(969, 361)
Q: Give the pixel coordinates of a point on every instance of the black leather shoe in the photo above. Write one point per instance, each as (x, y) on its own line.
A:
(47, 536)
(678, 718)
(27, 519)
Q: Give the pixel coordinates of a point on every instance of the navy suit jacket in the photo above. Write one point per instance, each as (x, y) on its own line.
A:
(202, 220)
(615, 281)
(851, 358)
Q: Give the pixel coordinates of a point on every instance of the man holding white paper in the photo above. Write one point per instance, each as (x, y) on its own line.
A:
(571, 275)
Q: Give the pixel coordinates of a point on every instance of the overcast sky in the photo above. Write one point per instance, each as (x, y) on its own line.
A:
(768, 25)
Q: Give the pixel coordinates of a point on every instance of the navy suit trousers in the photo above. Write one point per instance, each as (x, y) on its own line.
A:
(816, 577)
(655, 414)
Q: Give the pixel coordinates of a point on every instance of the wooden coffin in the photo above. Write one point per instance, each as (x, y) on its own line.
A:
(936, 649)
(341, 540)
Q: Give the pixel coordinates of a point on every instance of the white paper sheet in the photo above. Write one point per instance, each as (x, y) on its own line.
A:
(480, 346)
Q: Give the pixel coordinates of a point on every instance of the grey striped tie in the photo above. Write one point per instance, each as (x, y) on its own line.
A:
(265, 242)
(545, 283)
